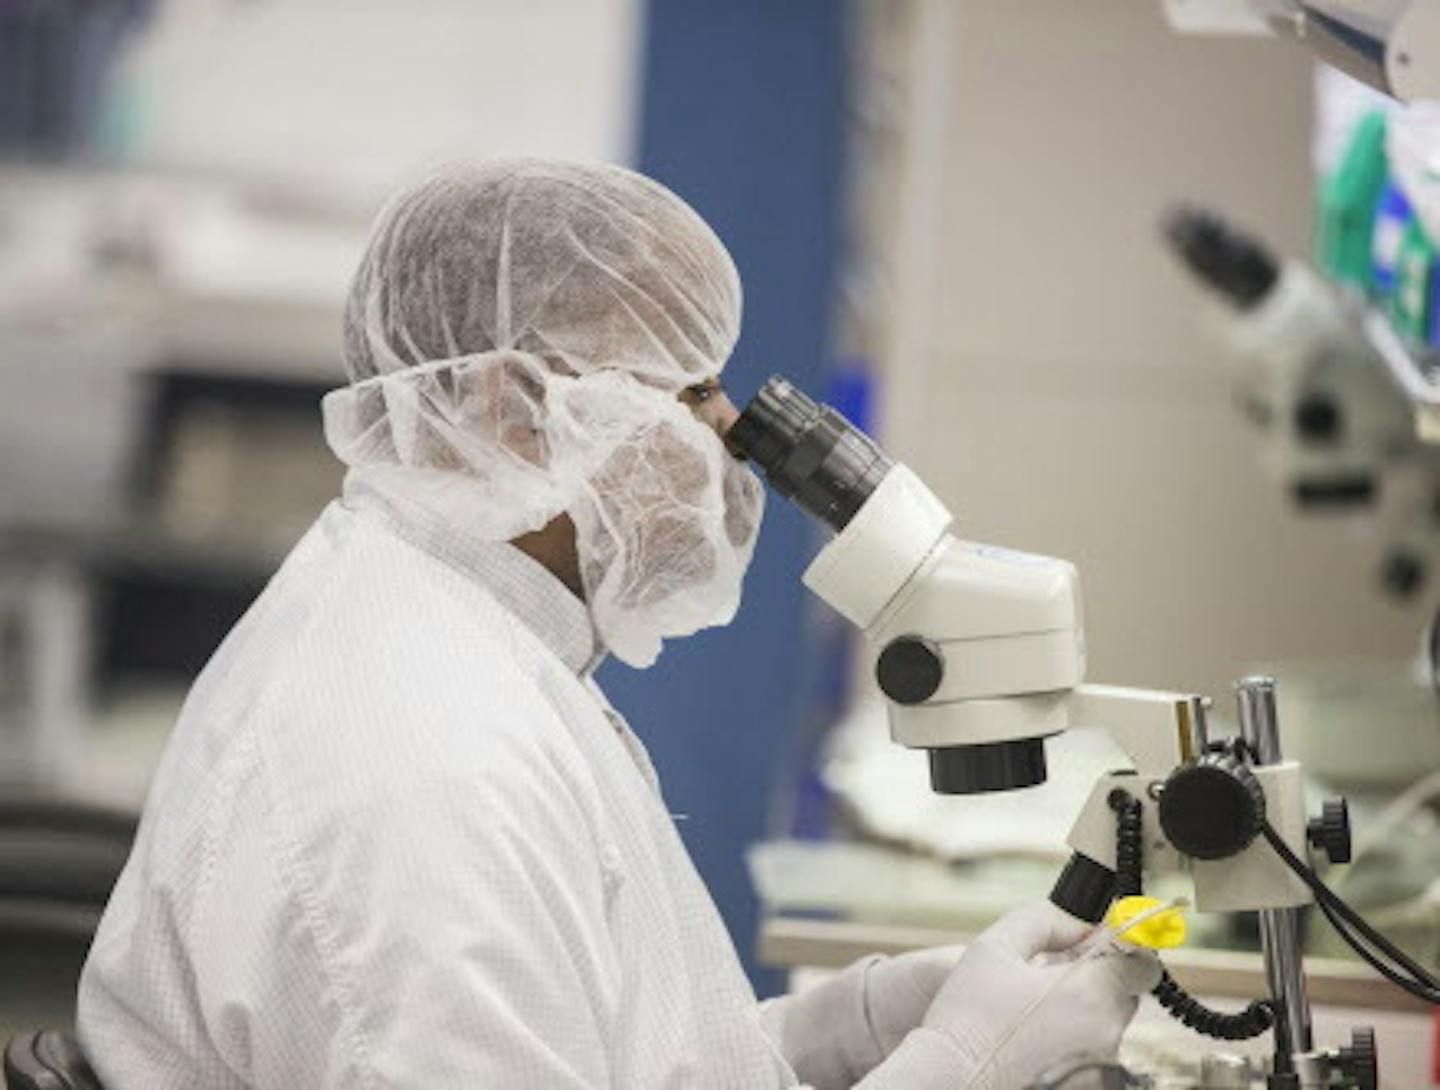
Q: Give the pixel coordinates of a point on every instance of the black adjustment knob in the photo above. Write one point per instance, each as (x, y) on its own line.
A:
(1359, 1061)
(1402, 574)
(1318, 419)
(1213, 807)
(909, 670)
(1330, 832)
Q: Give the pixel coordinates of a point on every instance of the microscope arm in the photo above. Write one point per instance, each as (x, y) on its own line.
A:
(1202, 808)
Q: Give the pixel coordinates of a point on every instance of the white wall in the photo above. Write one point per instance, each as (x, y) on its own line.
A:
(1061, 395)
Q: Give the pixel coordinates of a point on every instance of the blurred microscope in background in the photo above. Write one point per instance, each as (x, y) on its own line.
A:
(1335, 362)
(1334, 424)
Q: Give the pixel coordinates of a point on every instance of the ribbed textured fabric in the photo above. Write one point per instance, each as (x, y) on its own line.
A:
(399, 839)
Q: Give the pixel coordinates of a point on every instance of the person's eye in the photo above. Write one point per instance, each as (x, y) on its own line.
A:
(703, 392)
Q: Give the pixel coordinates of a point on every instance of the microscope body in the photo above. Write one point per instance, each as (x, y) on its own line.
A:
(976, 648)
(1331, 418)
(1306, 370)
(980, 654)
(1208, 826)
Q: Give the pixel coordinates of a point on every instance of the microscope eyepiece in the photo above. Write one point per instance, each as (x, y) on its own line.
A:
(1228, 260)
(830, 469)
(808, 452)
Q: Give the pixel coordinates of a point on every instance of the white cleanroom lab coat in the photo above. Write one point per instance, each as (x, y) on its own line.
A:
(399, 839)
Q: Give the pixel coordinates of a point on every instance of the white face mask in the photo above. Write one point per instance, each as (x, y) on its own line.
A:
(499, 444)
(666, 527)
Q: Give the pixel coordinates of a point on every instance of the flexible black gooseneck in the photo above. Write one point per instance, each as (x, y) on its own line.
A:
(1180, 1004)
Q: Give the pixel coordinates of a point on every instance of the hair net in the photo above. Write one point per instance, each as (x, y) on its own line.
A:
(516, 336)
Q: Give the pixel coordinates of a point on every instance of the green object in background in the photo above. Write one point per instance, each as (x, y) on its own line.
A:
(1410, 305)
(1347, 199)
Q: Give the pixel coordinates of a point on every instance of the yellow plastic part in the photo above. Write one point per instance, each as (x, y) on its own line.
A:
(1162, 931)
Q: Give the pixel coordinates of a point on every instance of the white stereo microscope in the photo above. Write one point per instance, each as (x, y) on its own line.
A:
(1320, 375)
(1332, 417)
(980, 654)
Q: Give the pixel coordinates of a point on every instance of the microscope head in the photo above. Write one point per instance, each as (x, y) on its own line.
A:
(976, 649)
(1330, 417)
(809, 453)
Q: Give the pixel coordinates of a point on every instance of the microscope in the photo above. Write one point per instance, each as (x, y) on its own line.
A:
(980, 654)
(1331, 416)
(1316, 372)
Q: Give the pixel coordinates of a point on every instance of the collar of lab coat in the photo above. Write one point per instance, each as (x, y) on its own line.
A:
(524, 586)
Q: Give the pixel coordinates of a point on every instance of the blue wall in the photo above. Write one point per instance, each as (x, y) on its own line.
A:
(742, 115)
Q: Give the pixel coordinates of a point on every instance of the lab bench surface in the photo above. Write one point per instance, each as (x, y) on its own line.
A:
(807, 943)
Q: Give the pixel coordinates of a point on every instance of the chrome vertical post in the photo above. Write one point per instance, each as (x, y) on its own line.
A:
(1279, 927)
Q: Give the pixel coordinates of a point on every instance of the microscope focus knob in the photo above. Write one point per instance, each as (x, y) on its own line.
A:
(910, 669)
(1330, 832)
(1359, 1061)
(1212, 807)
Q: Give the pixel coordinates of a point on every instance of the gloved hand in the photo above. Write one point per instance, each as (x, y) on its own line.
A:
(834, 1033)
(899, 990)
(1003, 1018)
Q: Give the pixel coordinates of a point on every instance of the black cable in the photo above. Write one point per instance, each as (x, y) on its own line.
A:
(1129, 844)
(1240, 1025)
(1376, 963)
(1420, 983)
(1255, 1019)
(1326, 896)
(1349, 918)
(1388, 971)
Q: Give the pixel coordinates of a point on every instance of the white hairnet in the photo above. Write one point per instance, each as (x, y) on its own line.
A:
(516, 336)
(585, 265)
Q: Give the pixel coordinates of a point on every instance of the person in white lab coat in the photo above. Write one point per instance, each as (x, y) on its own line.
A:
(399, 837)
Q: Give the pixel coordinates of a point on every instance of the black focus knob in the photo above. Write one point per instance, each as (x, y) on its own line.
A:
(1330, 832)
(1213, 807)
(1402, 574)
(909, 670)
(1359, 1061)
(1318, 419)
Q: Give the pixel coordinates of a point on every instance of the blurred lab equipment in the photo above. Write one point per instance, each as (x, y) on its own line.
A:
(1332, 418)
(1378, 209)
(164, 340)
(1312, 371)
(1412, 145)
(1365, 728)
(1392, 45)
(58, 863)
(979, 654)
(55, 58)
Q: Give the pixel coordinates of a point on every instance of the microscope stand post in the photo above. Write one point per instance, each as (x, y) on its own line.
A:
(1280, 940)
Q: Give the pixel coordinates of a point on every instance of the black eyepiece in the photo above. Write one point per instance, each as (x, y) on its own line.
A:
(809, 453)
(1228, 260)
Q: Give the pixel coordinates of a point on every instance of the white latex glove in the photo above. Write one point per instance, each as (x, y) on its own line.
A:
(835, 1032)
(1000, 1019)
(899, 990)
